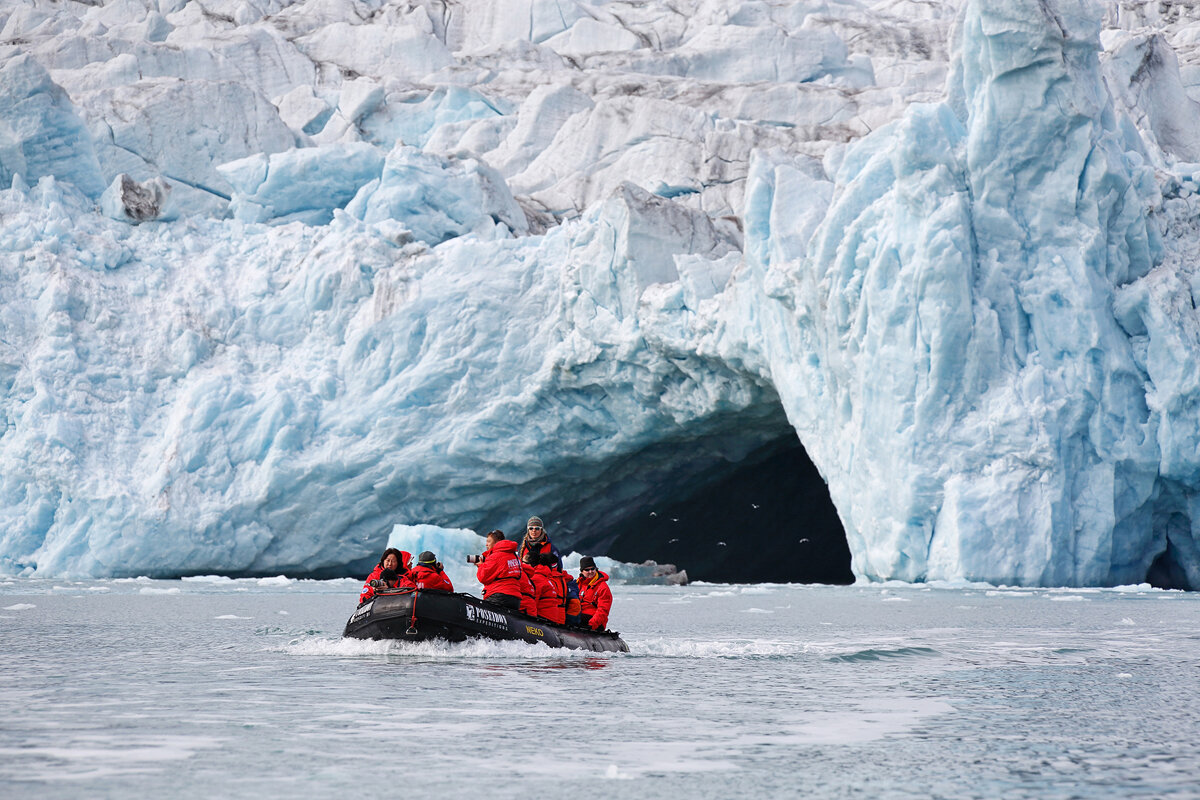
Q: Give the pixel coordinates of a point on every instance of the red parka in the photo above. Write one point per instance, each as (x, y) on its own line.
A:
(529, 591)
(549, 594)
(422, 577)
(368, 591)
(500, 571)
(596, 599)
(543, 545)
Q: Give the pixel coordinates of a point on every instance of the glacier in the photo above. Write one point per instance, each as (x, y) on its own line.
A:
(277, 277)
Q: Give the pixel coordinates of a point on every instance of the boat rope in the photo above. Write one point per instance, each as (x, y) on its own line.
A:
(412, 623)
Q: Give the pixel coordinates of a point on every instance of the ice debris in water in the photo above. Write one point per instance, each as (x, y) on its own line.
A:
(278, 279)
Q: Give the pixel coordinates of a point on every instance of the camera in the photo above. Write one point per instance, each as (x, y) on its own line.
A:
(474, 559)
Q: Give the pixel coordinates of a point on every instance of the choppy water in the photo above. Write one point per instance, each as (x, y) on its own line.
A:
(218, 688)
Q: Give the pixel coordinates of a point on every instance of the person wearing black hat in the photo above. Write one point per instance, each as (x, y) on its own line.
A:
(595, 598)
(428, 574)
(393, 561)
(536, 540)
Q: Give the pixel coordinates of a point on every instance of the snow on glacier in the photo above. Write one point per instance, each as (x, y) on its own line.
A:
(416, 263)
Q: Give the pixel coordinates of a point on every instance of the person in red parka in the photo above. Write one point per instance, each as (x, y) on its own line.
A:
(550, 599)
(500, 572)
(567, 591)
(542, 590)
(595, 597)
(428, 574)
(537, 540)
(529, 590)
(392, 559)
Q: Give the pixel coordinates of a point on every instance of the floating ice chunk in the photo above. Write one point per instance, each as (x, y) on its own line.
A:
(450, 545)
(20, 607)
(613, 773)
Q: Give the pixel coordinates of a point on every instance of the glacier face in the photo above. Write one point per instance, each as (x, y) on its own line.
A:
(422, 261)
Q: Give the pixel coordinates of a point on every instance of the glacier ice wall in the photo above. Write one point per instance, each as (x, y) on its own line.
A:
(956, 309)
(419, 262)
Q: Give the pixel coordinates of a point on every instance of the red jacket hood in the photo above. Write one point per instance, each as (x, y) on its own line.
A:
(505, 545)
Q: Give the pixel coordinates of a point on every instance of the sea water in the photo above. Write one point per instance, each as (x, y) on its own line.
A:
(242, 688)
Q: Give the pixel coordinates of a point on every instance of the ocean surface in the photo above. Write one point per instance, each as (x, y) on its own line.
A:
(212, 687)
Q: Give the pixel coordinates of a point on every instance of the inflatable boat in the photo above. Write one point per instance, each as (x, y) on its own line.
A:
(417, 615)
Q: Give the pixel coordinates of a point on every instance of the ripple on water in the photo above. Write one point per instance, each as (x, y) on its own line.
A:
(885, 654)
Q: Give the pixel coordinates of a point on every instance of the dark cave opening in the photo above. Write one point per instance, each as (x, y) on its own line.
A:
(1166, 572)
(771, 520)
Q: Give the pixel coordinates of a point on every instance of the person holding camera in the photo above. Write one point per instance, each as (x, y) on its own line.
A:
(595, 598)
(428, 574)
(536, 540)
(499, 570)
(393, 561)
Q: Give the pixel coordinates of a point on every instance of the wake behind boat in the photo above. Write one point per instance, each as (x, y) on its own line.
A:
(416, 615)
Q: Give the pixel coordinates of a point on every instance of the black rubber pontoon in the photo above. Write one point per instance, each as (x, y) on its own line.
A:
(458, 617)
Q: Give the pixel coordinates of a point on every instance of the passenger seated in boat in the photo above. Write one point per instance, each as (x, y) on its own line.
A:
(428, 574)
(539, 584)
(536, 539)
(500, 572)
(528, 592)
(550, 601)
(574, 609)
(393, 560)
(566, 589)
(595, 598)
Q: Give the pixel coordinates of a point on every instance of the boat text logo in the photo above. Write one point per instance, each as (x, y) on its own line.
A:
(363, 611)
(483, 615)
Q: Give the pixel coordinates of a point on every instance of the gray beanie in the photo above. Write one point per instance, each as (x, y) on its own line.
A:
(535, 521)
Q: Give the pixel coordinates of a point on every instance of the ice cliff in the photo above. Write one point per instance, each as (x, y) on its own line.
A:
(277, 275)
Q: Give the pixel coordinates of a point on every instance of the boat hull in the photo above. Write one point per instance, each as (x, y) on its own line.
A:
(458, 617)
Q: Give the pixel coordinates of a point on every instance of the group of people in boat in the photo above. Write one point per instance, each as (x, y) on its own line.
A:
(525, 576)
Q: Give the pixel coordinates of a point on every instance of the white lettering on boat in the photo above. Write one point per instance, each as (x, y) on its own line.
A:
(486, 616)
(363, 610)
